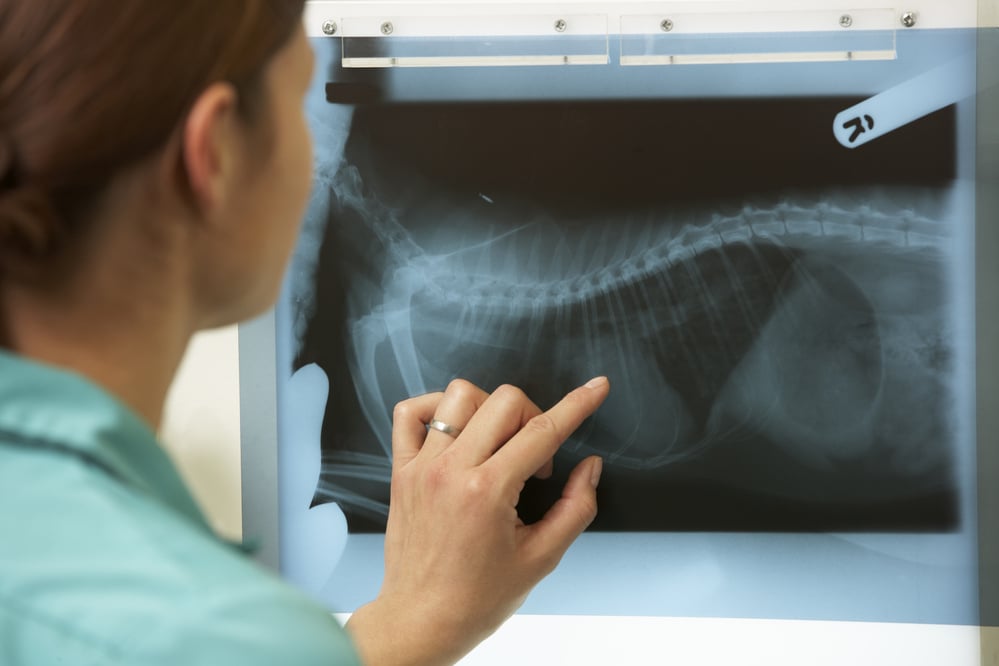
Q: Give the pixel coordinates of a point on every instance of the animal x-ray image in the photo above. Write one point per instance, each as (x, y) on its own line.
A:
(776, 313)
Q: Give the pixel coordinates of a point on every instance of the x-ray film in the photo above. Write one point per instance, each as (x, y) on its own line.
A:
(777, 330)
(785, 321)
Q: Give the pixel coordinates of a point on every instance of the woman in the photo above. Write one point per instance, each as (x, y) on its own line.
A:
(153, 162)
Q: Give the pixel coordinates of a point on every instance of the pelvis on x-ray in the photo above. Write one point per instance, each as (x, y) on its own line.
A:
(778, 361)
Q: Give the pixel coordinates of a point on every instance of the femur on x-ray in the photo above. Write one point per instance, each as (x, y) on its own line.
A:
(779, 331)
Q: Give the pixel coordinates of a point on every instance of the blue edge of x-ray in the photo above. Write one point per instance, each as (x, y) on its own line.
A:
(883, 577)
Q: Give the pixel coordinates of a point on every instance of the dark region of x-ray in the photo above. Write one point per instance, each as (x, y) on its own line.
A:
(775, 312)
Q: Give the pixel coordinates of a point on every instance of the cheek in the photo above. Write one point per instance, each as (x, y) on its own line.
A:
(303, 175)
(287, 178)
(297, 174)
(293, 183)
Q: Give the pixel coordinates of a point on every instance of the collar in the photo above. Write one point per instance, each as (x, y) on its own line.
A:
(46, 407)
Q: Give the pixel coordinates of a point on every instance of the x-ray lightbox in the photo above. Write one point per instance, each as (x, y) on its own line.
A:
(761, 224)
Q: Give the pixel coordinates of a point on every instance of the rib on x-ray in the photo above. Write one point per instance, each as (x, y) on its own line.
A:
(780, 347)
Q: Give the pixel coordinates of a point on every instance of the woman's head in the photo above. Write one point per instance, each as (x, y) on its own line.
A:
(195, 92)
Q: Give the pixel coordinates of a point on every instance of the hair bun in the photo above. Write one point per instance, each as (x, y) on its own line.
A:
(28, 227)
(7, 170)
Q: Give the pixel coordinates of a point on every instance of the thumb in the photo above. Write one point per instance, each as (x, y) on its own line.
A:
(551, 536)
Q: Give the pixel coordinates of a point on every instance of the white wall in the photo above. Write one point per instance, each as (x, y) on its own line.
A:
(201, 427)
(988, 13)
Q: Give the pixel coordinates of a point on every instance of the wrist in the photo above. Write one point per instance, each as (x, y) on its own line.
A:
(386, 633)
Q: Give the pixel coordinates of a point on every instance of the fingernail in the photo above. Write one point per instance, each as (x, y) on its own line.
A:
(598, 467)
(596, 382)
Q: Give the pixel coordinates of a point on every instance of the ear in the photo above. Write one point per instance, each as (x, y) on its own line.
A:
(208, 145)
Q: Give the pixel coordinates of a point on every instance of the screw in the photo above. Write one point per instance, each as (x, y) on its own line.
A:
(329, 28)
(387, 28)
(666, 25)
(909, 19)
(561, 25)
(845, 21)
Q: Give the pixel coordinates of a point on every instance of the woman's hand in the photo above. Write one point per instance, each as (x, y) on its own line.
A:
(458, 559)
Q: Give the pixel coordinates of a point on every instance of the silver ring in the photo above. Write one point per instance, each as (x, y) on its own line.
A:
(445, 428)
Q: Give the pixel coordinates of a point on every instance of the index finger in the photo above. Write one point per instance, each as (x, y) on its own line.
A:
(542, 436)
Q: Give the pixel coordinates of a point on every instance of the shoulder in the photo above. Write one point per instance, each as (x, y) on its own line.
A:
(90, 567)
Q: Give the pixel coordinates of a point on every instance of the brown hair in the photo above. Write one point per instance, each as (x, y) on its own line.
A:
(88, 87)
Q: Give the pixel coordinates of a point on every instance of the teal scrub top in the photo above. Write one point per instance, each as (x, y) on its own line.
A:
(105, 557)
